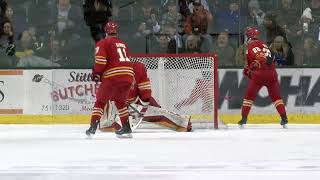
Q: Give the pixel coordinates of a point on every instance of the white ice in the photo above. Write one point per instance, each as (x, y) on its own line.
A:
(61, 152)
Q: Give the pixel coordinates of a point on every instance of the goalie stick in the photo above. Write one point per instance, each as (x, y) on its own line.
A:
(140, 116)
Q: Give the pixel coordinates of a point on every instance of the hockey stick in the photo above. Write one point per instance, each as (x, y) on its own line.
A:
(134, 127)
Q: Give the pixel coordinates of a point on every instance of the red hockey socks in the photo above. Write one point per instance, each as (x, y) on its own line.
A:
(246, 107)
(280, 107)
(97, 111)
(122, 111)
(124, 115)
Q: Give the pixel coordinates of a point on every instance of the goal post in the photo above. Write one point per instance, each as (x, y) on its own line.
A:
(186, 84)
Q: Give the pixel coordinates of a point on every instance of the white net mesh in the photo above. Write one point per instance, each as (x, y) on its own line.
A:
(184, 84)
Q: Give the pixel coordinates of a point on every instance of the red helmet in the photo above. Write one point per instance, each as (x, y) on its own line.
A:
(252, 32)
(111, 28)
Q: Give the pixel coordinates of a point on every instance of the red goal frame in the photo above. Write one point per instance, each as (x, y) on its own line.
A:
(215, 71)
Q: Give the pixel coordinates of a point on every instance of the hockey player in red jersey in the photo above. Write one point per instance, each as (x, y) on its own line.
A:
(142, 87)
(260, 69)
(141, 94)
(115, 71)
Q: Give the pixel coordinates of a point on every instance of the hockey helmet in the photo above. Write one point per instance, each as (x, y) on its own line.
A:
(111, 28)
(252, 33)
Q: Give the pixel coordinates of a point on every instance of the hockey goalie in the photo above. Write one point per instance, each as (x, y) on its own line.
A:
(144, 108)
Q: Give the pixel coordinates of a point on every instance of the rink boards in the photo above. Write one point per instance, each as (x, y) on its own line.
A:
(67, 96)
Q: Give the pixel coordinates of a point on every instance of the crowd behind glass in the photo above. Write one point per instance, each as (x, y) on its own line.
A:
(53, 34)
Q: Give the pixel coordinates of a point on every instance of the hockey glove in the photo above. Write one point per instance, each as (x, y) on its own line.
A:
(247, 71)
(270, 59)
(95, 77)
(255, 65)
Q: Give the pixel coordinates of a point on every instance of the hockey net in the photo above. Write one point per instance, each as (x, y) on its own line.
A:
(186, 84)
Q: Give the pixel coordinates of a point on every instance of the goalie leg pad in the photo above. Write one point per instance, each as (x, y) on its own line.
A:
(168, 119)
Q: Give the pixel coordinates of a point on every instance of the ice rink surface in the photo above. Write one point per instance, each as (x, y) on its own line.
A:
(60, 152)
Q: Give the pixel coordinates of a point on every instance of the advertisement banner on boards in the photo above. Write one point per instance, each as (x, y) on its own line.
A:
(300, 91)
(38, 88)
(11, 92)
(72, 92)
(59, 92)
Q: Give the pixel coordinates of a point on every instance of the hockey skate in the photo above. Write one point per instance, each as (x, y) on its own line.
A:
(92, 129)
(242, 123)
(284, 123)
(125, 131)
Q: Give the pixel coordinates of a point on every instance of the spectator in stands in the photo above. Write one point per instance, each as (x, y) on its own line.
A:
(255, 14)
(308, 53)
(204, 44)
(37, 41)
(224, 50)
(139, 37)
(241, 51)
(143, 12)
(228, 20)
(56, 54)
(287, 17)
(38, 12)
(144, 26)
(142, 30)
(123, 16)
(24, 46)
(67, 17)
(153, 22)
(184, 7)
(160, 44)
(7, 46)
(18, 22)
(315, 9)
(3, 7)
(26, 55)
(6, 33)
(192, 44)
(200, 18)
(240, 57)
(273, 29)
(281, 52)
(171, 14)
(175, 39)
(204, 3)
(215, 6)
(308, 24)
(198, 21)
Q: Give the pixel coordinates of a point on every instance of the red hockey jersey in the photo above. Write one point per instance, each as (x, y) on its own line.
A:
(142, 87)
(257, 54)
(111, 59)
(257, 67)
